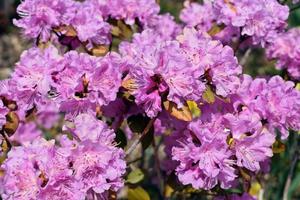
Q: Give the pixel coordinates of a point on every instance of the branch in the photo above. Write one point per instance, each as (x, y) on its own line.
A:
(291, 172)
(245, 57)
(295, 8)
(140, 138)
(157, 166)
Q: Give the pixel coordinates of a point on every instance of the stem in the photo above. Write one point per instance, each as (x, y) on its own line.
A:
(157, 166)
(295, 8)
(245, 57)
(292, 170)
(133, 161)
(140, 138)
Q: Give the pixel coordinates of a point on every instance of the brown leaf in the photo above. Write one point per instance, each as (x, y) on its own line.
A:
(43, 45)
(129, 84)
(183, 113)
(216, 29)
(100, 50)
(12, 123)
(278, 147)
(67, 31)
(245, 175)
(116, 31)
(124, 30)
(112, 195)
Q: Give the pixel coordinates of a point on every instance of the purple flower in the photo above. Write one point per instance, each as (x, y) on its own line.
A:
(31, 84)
(99, 167)
(159, 68)
(38, 17)
(213, 62)
(26, 133)
(282, 103)
(260, 19)
(251, 150)
(87, 127)
(25, 170)
(246, 121)
(65, 188)
(3, 112)
(200, 16)
(276, 102)
(41, 170)
(90, 28)
(129, 10)
(286, 51)
(85, 81)
(165, 26)
(204, 157)
(48, 114)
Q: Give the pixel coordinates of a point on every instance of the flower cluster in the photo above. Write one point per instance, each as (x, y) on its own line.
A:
(180, 70)
(198, 15)
(42, 170)
(262, 20)
(104, 70)
(40, 19)
(240, 135)
(286, 51)
(276, 102)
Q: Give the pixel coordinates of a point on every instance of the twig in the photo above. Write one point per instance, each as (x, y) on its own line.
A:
(291, 172)
(245, 57)
(295, 8)
(141, 136)
(157, 167)
(133, 161)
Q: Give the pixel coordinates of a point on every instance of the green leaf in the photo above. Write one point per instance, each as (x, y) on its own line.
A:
(194, 108)
(208, 95)
(298, 86)
(135, 176)
(138, 193)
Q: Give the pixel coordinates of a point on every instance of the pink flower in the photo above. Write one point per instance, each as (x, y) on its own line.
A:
(38, 17)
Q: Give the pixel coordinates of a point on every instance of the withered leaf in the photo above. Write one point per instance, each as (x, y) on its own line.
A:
(183, 113)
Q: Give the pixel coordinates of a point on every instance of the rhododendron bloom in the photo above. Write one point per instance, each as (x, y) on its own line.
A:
(286, 51)
(119, 99)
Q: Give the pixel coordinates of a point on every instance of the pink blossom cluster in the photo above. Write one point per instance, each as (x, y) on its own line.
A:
(41, 18)
(259, 20)
(285, 50)
(62, 109)
(90, 163)
(239, 135)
